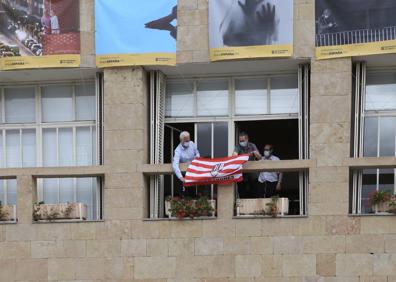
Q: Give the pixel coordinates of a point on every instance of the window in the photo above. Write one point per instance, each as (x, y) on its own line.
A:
(374, 135)
(214, 110)
(51, 126)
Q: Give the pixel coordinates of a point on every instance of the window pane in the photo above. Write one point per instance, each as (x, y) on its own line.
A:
(179, 100)
(11, 192)
(380, 92)
(66, 190)
(29, 147)
(2, 192)
(49, 147)
(387, 180)
(12, 145)
(50, 191)
(94, 140)
(66, 147)
(204, 139)
(251, 96)
(57, 103)
(84, 146)
(220, 139)
(284, 95)
(85, 102)
(1, 150)
(369, 185)
(387, 136)
(212, 98)
(86, 193)
(20, 105)
(370, 142)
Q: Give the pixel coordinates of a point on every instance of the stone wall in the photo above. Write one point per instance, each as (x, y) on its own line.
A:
(326, 246)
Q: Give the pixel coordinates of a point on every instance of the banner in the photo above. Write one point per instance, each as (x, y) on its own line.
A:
(347, 28)
(135, 32)
(224, 171)
(240, 29)
(39, 34)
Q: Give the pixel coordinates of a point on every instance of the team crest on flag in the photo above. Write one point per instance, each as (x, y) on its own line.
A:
(224, 171)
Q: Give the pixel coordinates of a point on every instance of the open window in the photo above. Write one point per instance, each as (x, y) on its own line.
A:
(273, 109)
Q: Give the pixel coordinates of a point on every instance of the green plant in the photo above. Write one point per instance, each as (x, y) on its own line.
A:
(186, 207)
(37, 211)
(3, 213)
(272, 209)
(379, 197)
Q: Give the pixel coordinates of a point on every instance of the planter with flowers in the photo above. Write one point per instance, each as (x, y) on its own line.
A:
(380, 201)
(177, 207)
(7, 213)
(62, 211)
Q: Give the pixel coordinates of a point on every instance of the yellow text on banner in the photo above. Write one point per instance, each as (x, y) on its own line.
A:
(361, 49)
(33, 62)
(153, 59)
(247, 52)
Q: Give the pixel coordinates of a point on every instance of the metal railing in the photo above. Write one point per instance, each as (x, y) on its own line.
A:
(356, 36)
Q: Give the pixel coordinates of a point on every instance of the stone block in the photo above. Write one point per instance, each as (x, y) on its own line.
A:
(365, 243)
(248, 227)
(133, 248)
(342, 225)
(186, 229)
(248, 265)
(299, 265)
(205, 266)
(326, 265)
(103, 248)
(31, 269)
(113, 229)
(384, 264)
(208, 246)
(15, 250)
(329, 133)
(83, 231)
(181, 247)
(157, 247)
(218, 228)
(61, 269)
(331, 66)
(287, 245)
(324, 244)
(354, 264)
(8, 268)
(272, 266)
(164, 267)
(237, 245)
(261, 245)
(150, 230)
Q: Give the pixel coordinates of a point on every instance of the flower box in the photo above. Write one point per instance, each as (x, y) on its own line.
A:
(64, 211)
(8, 213)
(168, 207)
(259, 206)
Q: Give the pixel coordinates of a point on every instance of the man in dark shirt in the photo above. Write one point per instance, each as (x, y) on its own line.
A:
(248, 187)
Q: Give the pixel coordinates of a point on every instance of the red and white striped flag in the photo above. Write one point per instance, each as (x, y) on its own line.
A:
(224, 171)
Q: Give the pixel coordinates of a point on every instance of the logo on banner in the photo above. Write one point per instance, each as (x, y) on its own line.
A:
(217, 169)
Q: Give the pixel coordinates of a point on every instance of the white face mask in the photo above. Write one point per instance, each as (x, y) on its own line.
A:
(267, 154)
(243, 144)
(186, 144)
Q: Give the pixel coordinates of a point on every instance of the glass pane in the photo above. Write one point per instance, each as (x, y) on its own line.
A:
(204, 139)
(387, 136)
(179, 100)
(86, 193)
(57, 103)
(94, 140)
(370, 142)
(13, 146)
(66, 190)
(50, 191)
(2, 192)
(369, 185)
(284, 95)
(1, 150)
(251, 96)
(11, 192)
(380, 97)
(387, 180)
(50, 147)
(85, 102)
(66, 147)
(212, 98)
(29, 147)
(84, 146)
(220, 139)
(20, 105)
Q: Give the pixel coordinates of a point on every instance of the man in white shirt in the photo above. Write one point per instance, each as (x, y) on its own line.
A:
(270, 183)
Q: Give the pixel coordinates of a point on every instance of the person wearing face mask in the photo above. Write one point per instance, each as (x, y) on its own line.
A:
(185, 152)
(248, 187)
(270, 183)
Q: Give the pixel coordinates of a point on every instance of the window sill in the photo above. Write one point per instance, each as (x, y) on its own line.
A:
(8, 222)
(183, 219)
(268, 217)
(65, 221)
(372, 214)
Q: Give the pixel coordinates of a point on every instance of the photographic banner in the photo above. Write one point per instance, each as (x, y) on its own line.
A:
(39, 34)
(347, 28)
(240, 29)
(135, 32)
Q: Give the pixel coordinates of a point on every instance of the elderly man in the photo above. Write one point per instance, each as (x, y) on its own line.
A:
(185, 152)
(270, 183)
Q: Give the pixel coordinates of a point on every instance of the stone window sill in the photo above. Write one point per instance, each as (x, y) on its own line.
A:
(268, 217)
(65, 221)
(371, 214)
(184, 219)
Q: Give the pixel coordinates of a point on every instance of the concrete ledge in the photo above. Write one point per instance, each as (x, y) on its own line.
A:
(285, 166)
(360, 163)
(53, 172)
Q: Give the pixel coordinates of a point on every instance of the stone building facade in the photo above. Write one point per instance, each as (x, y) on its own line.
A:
(326, 244)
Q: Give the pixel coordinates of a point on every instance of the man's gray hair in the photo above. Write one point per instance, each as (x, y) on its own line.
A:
(184, 134)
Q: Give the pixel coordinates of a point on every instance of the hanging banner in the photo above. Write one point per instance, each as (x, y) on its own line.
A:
(240, 29)
(135, 32)
(347, 28)
(39, 34)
